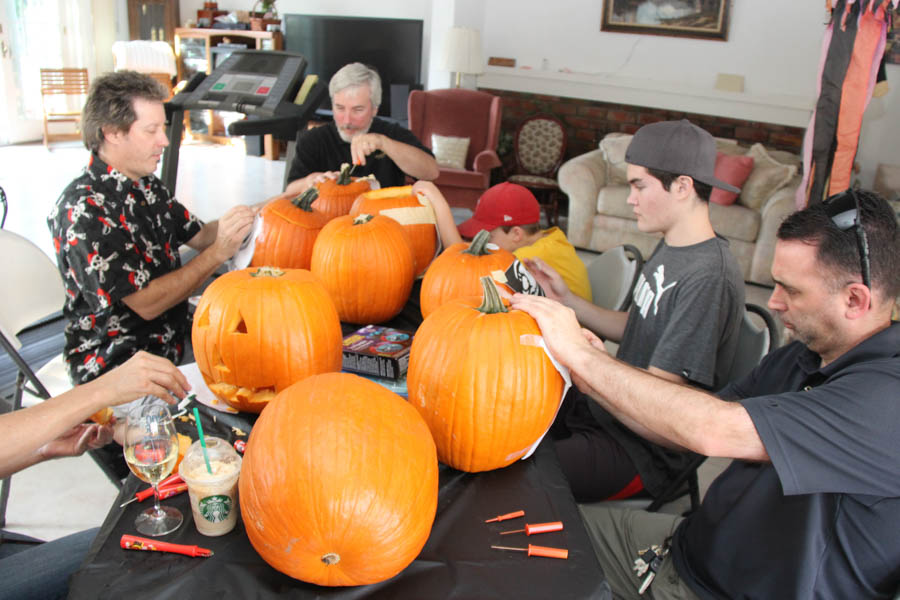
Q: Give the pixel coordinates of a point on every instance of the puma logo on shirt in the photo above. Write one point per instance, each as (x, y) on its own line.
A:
(645, 296)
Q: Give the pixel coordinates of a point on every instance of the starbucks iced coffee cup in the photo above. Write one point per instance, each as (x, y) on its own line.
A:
(214, 500)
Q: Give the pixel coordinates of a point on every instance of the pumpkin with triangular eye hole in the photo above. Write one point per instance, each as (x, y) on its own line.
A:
(257, 331)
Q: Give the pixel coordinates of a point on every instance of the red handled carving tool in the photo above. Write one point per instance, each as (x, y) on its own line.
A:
(512, 515)
(538, 551)
(533, 528)
(168, 487)
(131, 542)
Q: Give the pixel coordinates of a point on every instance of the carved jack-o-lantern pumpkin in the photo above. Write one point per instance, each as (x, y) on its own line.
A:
(257, 331)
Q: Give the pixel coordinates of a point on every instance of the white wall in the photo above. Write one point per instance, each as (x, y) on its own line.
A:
(774, 44)
(880, 135)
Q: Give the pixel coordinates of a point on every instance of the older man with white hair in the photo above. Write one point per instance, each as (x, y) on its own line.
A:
(356, 136)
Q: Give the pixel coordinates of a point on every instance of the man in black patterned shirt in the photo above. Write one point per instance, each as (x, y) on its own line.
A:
(117, 231)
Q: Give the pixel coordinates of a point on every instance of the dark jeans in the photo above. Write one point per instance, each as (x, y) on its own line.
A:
(595, 464)
(41, 571)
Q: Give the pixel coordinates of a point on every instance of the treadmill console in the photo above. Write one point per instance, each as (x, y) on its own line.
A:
(250, 82)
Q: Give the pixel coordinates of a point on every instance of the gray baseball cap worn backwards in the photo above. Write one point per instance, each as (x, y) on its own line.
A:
(677, 147)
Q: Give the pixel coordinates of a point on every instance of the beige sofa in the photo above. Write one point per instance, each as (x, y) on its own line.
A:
(600, 218)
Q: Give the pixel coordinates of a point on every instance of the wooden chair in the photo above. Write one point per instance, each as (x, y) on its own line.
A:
(60, 90)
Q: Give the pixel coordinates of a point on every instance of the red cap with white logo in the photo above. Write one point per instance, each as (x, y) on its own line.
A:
(503, 204)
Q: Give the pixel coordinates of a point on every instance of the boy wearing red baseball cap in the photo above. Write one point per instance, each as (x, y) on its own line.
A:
(512, 215)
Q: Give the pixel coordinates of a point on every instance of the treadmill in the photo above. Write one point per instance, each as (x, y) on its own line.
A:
(265, 85)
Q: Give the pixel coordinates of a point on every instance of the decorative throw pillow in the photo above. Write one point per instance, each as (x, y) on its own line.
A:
(450, 151)
(614, 146)
(767, 177)
(731, 169)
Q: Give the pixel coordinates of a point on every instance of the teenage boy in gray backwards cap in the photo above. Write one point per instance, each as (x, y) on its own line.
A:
(682, 326)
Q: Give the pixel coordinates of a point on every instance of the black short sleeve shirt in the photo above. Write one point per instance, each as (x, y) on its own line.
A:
(112, 237)
(822, 519)
(321, 149)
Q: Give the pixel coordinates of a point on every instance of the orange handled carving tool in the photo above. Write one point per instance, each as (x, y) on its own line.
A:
(512, 515)
(532, 528)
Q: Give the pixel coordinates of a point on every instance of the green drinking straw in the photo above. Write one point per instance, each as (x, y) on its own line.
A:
(202, 440)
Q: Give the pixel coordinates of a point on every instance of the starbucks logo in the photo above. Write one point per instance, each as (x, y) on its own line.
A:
(215, 509)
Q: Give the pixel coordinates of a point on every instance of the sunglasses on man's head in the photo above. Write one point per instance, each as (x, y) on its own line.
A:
(843, 209)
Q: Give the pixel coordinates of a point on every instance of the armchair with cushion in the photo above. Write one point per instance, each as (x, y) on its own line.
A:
(600, 218)
(462, 128)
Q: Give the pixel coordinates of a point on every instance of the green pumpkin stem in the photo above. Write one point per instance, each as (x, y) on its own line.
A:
(304, 201)
(267, 272)
(492, 303)
(362, 219)
(479, 243)
(344, 177)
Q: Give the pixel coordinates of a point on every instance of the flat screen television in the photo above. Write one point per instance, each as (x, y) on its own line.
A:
(392, 46)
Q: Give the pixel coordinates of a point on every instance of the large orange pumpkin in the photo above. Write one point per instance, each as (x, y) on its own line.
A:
(366, 264)
(257, 331)
(334, 197)
(290, 226)
(486, 392)
(339, 482)
(455, 273)
(408, 209)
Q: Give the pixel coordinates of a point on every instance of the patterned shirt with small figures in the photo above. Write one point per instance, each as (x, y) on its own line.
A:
(112, 236)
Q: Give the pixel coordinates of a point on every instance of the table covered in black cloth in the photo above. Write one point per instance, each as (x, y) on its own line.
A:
(456, 562)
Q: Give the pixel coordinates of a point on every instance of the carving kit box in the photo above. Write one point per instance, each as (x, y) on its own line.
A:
(379, 351)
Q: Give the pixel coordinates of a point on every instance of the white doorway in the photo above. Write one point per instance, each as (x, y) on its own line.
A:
(35, 34)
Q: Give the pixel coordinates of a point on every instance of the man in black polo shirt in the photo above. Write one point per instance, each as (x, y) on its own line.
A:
(810, 507)
(356, 136)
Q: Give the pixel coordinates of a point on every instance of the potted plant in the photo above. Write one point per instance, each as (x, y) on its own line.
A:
(259, 20)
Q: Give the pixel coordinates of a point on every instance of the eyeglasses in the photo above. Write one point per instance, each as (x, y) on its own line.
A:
(843, 209)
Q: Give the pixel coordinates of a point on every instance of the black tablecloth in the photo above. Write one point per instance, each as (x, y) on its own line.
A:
(456, 562)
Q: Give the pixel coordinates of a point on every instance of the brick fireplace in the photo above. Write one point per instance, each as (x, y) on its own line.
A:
(587, 121)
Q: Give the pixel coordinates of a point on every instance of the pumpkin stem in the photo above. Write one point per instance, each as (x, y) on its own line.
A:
(492, 303)
(304, 201)
(344, 176)
(362, 219)
(331, 558)
(477, 247)
(267, 272)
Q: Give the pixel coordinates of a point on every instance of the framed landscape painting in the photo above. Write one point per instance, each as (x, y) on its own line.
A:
(687, 18)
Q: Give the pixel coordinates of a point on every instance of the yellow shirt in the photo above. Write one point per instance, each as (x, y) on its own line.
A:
(555, 250)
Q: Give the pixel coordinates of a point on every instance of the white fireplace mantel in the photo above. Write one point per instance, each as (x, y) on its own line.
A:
(794, 111)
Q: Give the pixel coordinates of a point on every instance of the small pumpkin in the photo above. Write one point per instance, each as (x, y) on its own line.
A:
(408, 209)
(289, 228)
(366, 265)
(339, 482)
(334, 197)
(257, 331)
(455, 273)
(486, 394)
(102, 416)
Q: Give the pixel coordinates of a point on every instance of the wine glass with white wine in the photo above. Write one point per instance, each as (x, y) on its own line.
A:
(151, 449)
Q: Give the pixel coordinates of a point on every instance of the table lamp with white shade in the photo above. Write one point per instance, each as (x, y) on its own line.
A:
(462, 52)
